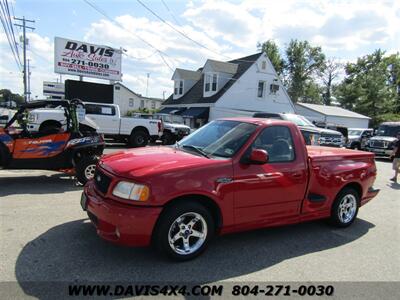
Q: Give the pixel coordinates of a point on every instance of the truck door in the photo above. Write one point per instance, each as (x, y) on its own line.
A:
(105, 116)
(271, 193)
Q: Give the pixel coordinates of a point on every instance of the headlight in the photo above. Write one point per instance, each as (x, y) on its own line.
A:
(32, 117)
(132, 191)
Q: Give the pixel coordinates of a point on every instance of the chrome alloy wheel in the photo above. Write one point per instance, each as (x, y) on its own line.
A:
(347, 208)
(89, 171)
(187, 233)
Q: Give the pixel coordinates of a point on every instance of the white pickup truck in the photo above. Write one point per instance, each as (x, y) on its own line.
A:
(135, 131)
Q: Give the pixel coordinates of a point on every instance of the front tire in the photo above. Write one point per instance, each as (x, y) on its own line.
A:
(345, 208)
(184, 231)
(85, 168)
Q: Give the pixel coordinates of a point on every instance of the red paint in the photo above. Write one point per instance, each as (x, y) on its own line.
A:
(258, 196)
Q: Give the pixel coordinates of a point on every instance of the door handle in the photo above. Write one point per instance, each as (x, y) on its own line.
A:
(297, 175)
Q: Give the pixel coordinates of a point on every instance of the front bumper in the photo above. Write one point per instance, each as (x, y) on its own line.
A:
(118, 222)
(380, 151)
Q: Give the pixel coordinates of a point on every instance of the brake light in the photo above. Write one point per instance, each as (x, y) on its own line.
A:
(160, 126)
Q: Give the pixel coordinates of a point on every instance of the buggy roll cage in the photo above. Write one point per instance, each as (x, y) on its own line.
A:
(69, 111)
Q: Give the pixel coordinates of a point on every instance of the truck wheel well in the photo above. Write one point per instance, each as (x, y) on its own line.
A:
(356, 186)
(49, 123)
(203, 200)
(140, 128)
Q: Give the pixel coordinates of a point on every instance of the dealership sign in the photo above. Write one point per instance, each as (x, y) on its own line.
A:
(83, 59)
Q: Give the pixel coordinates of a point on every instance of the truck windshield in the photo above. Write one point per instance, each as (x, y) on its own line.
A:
(387, 130)
(170, 118)
(298, 120)
(221, 138)
(355, 132)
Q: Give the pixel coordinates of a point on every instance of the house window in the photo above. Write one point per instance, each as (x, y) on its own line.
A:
(131, 102)
(153, 104)
(211, 82)
(264, 65)
(261, 89)
(178, 89)
(117, 87)
(141, 103)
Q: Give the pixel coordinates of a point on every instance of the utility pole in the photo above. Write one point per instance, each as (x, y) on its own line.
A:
(23, 26)
(147, 84)
(29, 82)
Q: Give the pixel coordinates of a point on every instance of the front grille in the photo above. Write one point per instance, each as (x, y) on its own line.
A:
(378, 144)
(101, 181)
(330, 139)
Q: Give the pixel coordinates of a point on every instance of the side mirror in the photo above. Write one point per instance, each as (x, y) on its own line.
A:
(258, 156)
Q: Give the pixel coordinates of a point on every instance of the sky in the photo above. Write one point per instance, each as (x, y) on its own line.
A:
(221, 30)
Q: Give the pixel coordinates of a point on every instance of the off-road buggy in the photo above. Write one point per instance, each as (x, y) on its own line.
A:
(74, 150)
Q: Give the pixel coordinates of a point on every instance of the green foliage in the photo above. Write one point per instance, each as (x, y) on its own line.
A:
(302, 63)
(141, 111)
(272, 51)
(371, 86)
(6, 95)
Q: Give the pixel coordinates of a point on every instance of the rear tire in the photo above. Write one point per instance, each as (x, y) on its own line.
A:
(50, 127)
(345, 208)
(85, 168)
(184, 231)
(138, 138)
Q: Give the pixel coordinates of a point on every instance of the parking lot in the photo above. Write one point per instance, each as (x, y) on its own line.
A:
(47, 237)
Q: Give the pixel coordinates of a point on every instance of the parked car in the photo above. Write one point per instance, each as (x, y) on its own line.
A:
(358, 138)
(174, 128)
(312, 134)
(70, 150)
(135, 131)
(382, 143)
(230, 175)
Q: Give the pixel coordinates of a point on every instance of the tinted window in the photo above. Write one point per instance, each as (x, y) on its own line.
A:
(278, 142)
(95, 109)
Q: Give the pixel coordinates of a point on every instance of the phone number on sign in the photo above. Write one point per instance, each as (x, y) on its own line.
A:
(283, 290)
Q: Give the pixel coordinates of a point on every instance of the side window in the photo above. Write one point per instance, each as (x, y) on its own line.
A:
(94, 109)
(278, 142)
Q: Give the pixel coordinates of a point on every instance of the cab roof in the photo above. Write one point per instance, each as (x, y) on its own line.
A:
(258, 121)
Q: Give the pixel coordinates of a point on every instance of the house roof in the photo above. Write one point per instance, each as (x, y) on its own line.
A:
(195, 94)
(222, 66)
(332, 111)
(138, 95)
(187, 74)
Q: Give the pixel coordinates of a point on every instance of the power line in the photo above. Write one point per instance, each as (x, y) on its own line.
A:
(12, 29)
(160, 52)
(6, 28)
(179, 31)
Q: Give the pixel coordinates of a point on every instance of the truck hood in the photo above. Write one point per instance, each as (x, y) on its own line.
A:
(147, 161)
(354, 137)
(322, 130)
(383, 138)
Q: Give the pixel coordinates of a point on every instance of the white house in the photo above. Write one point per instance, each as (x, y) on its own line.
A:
(129, 100)
(332, 115)
(220, 89)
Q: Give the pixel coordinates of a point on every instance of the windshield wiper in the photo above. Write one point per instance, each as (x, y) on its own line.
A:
(197, 149)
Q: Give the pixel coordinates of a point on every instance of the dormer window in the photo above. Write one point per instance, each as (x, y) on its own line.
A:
(178, 89)
(263, 65)
(210, 82)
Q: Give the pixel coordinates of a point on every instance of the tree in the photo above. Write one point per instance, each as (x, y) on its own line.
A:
(272, 51)
(6, 95)
(301, 65)
(328, 74)
(371, 85)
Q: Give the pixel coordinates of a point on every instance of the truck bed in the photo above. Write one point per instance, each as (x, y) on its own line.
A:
(317, 153)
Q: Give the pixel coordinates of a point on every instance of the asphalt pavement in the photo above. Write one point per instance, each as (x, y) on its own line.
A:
(45, 236)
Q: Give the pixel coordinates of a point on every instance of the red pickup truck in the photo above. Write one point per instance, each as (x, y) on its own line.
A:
(230, 175)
